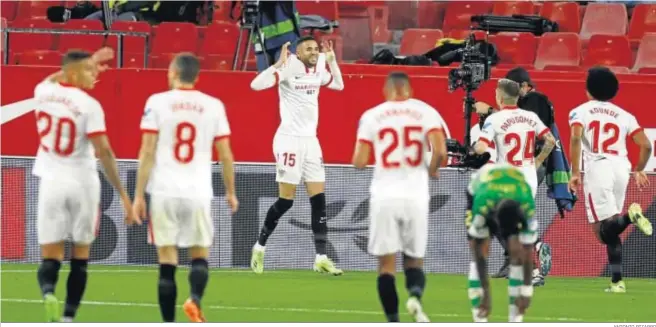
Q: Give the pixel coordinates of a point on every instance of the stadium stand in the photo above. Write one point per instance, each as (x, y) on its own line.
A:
(591, 34)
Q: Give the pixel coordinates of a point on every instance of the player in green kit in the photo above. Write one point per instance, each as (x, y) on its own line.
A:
(500, 199)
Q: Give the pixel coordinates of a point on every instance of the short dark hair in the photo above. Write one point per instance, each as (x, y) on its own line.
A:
(519, 75)
(398, 76)
(188, 67)
(74, 56)
(509, 216)
(602, 84)
(305, 39)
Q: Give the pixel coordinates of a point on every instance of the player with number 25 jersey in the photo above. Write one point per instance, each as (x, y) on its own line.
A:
(400, 131)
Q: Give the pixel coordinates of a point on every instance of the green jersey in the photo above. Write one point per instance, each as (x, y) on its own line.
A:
(492, 184)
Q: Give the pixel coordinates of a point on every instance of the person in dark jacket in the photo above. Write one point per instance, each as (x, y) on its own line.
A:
(531, 100)
(277, 24)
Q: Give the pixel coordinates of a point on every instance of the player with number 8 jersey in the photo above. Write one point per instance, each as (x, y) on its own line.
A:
(181, 128)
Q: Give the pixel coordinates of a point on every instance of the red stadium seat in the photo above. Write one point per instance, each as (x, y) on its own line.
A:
(175, 37)
(604, 18)
(608, 50)
(35, 9)
(21, 42)
(646, 57)
(509, 8)
(80, 41)
(558, 51)
(217, 62)
(566, 14)
(463, 34)
(221, 38)
(643, 20)
(222, 11)
(132, 60)
(132, 44)
(430, 14)
(458, 14)
(417, 41)
(40, 58)
(619, 69)
(8, 9)
(325, 9)
(516, 48)
(378, 20)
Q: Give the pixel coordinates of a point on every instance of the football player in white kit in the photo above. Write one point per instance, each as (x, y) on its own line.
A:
(296, 148)
(514, 132)
(599, 129)
(400, 132)
(181, 127)
(71, 126)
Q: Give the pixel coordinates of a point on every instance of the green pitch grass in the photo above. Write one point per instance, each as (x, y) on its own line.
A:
(129, 294)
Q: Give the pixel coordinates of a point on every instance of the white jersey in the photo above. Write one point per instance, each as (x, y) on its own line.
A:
(514, 132)
(66, 118)
(188, 123)
(605, 129)
(475, 133)
(397, 131)
(298, 90)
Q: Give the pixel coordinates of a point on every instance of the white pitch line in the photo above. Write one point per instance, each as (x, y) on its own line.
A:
(245, 271)
(305, 310)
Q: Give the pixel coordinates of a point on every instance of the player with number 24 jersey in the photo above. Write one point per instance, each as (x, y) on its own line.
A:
(514, 132)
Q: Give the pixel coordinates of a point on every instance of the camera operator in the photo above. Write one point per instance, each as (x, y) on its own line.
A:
(277, 23)
(530, 100)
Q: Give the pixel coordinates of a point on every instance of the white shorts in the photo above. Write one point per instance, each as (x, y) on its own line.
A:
(298, 158)
(531, 175)
(68, 209)
(180, 222)
(604, 186)
(398, 225)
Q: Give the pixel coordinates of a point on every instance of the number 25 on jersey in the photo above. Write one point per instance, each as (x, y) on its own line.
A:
(412, 139)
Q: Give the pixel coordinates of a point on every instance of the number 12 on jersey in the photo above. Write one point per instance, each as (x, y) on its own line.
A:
(611, 133)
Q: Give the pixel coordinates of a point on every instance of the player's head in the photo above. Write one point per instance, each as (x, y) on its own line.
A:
(79, 70)
(183, 71)
(521, 76)
(509, 217)
(307, 51)
(397, 87)
(507, 93)
(602, 84)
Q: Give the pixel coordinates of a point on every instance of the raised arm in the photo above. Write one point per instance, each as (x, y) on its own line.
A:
(271, 76)
(333, 80)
